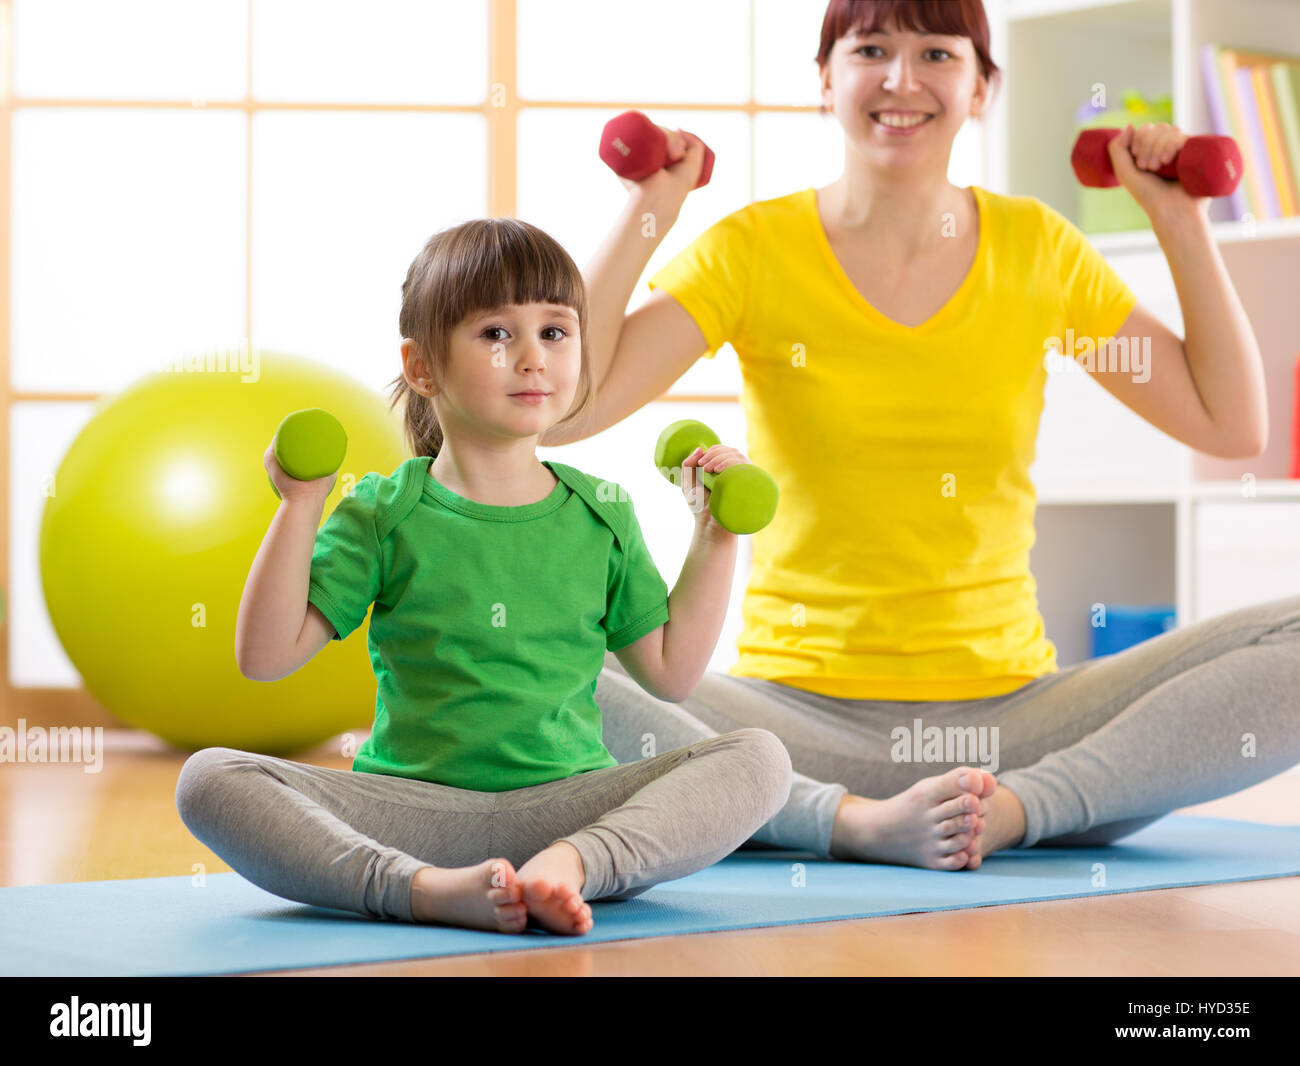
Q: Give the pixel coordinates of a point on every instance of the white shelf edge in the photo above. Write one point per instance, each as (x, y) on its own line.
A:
(1196, 491)
(1144, 240)
(1265, 488)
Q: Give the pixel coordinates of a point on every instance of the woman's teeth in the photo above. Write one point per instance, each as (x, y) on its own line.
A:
(889, 118)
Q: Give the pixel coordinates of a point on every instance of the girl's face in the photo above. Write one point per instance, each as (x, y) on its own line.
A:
(499, 356)
(925, 84)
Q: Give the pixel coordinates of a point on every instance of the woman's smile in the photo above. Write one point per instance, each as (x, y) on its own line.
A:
(901, 122)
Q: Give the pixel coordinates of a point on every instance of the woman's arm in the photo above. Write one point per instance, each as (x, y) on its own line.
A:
(1208, 389)
(636, 358)
(274, 628)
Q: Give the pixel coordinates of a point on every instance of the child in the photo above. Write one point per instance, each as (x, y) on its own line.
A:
(485, 796)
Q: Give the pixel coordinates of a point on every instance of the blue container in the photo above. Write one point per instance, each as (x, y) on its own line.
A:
(1127, 625)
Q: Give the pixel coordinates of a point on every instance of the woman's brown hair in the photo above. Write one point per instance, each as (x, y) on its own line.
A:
(482, 264)
(957, 18)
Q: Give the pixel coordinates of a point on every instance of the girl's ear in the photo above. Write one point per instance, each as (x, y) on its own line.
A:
(414, 368)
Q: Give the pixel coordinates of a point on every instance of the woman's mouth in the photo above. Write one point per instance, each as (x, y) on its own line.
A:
(900, 121)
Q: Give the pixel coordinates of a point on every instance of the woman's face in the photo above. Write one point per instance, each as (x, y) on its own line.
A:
(926, 84)
(499, 354)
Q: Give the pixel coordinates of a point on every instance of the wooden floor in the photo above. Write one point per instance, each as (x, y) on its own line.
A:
(62, 824)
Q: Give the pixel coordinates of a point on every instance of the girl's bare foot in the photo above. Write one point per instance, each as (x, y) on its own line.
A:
(935, 824)
(552, 882)
(486, 896)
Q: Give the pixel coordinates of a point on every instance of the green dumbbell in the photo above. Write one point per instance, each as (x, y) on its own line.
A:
(742, 498)
(309, 444)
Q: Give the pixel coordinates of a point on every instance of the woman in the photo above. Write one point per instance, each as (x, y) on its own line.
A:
(891, 330)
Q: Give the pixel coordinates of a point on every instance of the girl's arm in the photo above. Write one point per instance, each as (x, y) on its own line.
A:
(668, 662)
(697, 607)
(273, 611)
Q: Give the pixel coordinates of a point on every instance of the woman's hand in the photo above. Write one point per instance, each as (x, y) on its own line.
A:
(664, 191)
(1137, 152)
(715, 460)
(292, 488)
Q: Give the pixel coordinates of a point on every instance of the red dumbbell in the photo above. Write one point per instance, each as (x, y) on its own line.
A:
(634, 148)
(1206, 165)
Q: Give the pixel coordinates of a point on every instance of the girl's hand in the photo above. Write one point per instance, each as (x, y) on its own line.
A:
(292, 488)
(715, 460)
(1137, 152)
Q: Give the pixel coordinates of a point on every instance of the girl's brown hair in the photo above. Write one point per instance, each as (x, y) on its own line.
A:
(957, 18)
(479, 265)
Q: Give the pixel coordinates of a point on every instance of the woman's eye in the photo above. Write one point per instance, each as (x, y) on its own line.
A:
(943, 51)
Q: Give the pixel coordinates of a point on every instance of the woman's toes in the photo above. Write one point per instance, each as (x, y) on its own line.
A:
(953, 844)
(513, 916)
(959, 823)
(964, 803)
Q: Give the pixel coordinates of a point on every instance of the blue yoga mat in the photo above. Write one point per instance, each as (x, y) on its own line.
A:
(169, 927)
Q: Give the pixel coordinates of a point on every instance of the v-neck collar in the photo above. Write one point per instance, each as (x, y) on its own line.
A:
(851, 290)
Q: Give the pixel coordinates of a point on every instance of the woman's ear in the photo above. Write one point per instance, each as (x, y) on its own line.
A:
(824, 77)
(983, 96)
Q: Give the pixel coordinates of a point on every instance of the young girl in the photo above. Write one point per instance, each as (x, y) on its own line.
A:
(485, 796)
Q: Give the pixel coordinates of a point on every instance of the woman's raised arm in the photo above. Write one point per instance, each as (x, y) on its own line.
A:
(636, 357)
(657, 344)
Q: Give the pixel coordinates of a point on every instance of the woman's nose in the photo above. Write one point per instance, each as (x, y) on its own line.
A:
(899, 78)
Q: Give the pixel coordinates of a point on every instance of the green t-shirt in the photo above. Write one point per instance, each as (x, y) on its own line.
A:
(490, 624)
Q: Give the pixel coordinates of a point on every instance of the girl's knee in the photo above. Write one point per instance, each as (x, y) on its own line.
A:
(769, 749)
(197, 775)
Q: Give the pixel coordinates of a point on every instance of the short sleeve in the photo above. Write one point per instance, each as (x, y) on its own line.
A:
(711, 276)
(1095, 299)
(346, 565)
(636, 601)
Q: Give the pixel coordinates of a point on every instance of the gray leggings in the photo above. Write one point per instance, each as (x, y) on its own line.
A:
(354, 841)
(1094, 751)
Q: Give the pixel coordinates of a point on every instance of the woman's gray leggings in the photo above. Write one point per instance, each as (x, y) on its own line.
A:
(354, 841)
(1094, 751)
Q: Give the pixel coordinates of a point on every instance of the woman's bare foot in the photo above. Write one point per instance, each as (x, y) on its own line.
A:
(1004, 824)
(486, 896)
(935, 823)
(552, 881)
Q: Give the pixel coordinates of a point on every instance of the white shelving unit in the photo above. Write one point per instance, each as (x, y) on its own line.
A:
(1126, 514)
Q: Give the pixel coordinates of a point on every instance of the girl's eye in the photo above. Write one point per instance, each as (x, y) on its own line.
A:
(492, 329)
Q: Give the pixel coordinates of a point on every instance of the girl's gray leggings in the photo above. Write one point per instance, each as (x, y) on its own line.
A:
(354, 841)
(1094, 751)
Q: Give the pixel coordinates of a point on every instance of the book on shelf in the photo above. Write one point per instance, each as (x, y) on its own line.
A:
(1254, 97)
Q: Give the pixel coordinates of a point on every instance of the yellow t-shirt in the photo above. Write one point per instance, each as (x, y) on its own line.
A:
(897, 567)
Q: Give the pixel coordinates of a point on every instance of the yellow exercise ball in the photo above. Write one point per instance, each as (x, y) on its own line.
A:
(157, 512)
